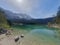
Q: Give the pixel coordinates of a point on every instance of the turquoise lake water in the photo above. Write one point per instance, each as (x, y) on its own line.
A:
(38, 35)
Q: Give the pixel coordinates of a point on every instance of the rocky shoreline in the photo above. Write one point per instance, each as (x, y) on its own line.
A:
(8, 37)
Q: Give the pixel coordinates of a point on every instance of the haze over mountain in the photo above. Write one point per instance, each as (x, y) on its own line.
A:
(34, 8)
(12, 15)
(24, 18)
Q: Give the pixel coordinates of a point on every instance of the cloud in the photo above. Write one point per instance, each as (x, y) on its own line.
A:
(25, 6)
(35, 8)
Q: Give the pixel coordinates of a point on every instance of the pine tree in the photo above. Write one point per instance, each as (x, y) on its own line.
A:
(58, 16)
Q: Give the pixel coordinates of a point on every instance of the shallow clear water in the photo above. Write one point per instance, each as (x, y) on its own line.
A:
(38, 35)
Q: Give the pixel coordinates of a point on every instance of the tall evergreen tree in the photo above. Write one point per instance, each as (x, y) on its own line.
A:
(58, 16)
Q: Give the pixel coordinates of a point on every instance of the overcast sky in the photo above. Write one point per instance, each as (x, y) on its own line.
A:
(34, 8)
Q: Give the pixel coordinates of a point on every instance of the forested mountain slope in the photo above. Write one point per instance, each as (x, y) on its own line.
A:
(3, 21)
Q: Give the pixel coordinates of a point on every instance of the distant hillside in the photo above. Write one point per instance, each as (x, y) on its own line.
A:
(3, 21)
(33, 21)
(43, 21)
(24, 18)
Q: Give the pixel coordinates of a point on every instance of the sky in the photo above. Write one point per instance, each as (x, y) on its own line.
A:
(34, 8)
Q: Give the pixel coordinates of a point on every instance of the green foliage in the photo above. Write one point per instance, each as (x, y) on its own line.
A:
(3, 21)
(58, 16)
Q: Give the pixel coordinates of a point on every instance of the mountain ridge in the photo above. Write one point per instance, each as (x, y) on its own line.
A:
(24, 18)
(11, 15)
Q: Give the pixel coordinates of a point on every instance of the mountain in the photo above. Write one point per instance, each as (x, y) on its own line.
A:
(24, 18)
(10, 15)
(43, 21)
(34, 21)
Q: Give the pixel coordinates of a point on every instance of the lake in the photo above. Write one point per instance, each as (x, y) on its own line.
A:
(38, 35)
